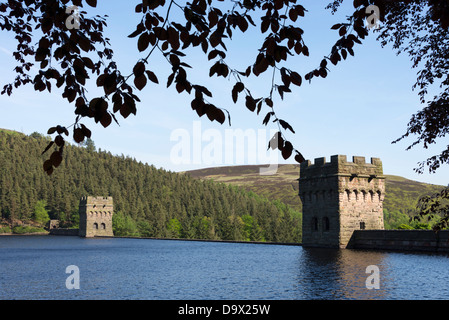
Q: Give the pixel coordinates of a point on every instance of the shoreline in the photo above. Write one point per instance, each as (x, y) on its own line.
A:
(208, 240)
(25, 234)
(150, 238)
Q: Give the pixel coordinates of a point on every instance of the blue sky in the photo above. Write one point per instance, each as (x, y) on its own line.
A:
(359, 109)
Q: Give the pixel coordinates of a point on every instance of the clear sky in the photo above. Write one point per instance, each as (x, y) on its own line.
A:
(358, 110)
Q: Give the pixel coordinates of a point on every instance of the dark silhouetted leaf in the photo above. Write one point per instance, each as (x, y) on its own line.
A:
(92, 3)
(267, 118)
(48, 166)
(336, 26)
(106, 120)
(295, 78)
(59, 140)
(143, 42)
(140, 82)
(56, 159)
(250, 103)
(238, 87)
(151, 76)
(78, 135)
(287, 150)
(48, 147)
(139, 69)
(299, 158)
(286, 126)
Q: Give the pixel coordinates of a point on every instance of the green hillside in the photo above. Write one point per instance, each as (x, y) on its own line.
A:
(281, 186)
(10, 132)
(148, 202)
(399, 205)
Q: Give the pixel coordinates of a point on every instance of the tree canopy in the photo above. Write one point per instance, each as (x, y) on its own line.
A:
(68, 49)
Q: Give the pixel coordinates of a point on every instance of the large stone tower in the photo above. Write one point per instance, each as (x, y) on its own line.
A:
(339, 197)
(96, 216)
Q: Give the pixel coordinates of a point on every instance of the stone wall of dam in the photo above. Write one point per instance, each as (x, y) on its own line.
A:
(64, 232)
(400, 240)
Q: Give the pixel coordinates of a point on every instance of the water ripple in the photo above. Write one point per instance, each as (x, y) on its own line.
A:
(34, 268)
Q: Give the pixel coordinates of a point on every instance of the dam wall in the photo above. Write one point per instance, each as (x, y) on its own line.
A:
(400, 240)
(64, 232)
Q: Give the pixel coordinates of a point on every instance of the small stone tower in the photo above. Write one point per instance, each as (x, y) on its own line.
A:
(339, 197)
(96, 216)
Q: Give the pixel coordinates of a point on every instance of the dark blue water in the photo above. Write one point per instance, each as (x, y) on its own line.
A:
(35, 268)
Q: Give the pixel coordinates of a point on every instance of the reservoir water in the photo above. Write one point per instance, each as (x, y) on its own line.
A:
(34, 267)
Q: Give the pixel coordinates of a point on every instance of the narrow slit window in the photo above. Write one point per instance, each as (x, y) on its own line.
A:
(326, 224)
(314, 224)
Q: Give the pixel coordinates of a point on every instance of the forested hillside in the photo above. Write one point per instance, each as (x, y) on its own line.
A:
(148, 201)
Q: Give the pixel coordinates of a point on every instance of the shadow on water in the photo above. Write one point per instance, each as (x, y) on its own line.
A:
(339, 274)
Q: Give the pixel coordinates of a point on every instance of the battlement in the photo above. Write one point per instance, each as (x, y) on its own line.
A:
(90, 198)
(96, 201)
(339, 165)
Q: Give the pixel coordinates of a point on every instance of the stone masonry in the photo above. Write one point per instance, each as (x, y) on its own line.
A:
(96, 216)
(339, 197)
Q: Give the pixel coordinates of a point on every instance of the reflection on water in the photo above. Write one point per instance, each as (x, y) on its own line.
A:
(339, 274)
(34, 268)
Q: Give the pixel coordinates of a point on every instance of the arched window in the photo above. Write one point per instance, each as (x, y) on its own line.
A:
(95, 226)
(326, 224)
(314, 224)
(103, 226)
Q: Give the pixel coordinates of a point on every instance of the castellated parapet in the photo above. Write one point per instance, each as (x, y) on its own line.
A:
(96, 216)
(339, 197)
